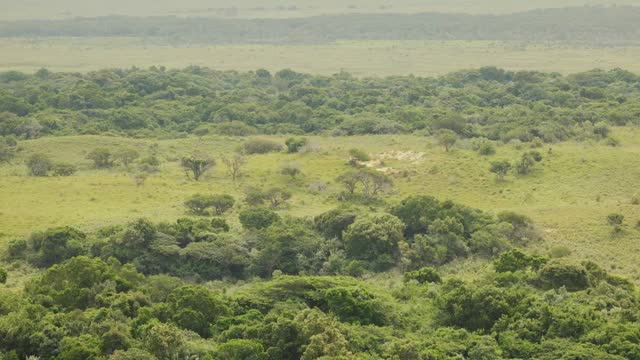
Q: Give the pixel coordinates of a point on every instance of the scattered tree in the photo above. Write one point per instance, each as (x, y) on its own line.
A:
(258, 218)
(234, 165)
(126, 156)
(64, 169)
(195, 167)
(291, 169)
(447, 138)
(295, 144)
(500, 168)
(101, 157)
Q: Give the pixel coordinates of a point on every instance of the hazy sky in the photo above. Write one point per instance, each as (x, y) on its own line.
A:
(56, 9)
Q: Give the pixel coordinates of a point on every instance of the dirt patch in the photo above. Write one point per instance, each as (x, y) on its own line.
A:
(377, 161)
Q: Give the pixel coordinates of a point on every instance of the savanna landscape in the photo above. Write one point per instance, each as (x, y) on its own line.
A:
(319, 180)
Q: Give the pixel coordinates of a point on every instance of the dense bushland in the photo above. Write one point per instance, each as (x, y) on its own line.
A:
(485, 103)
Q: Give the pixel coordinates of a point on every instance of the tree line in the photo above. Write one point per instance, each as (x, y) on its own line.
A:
(486, 103)
(592, 25)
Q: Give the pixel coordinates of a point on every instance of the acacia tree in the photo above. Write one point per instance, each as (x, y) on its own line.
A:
(500, 168)
(234, 165)
(195, 167)
(373, 182)
(447, 138)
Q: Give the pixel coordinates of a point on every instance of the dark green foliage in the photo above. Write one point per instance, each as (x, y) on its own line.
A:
(260, 146)
(200, 204)
(423, 275)
(616, 221)
(516, 260)
(527, 161)
(195, 308)
(556, 274)
(258, 218)
(101, 157)
(333, 223)
(238, 349)
(354, 305)
(3, 275)
(195, 167)
(155, 102)
(295, 144)
(374, 238)
(39, 165)
(370, 183)
(359, 155)
(55, 245)
(291, 169)
(126, 156)
(487, 149)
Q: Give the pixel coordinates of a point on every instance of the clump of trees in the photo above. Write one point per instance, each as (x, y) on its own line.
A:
(39, 164)
(101, 158)
(364, 184)
(260, 146)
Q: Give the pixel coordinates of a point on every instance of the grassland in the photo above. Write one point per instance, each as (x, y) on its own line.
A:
(569, 196)
(370, 58)
(38, 9)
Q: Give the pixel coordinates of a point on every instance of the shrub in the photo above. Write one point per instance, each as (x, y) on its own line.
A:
(101, 157)
(557, 252)
(258, 218)
(425, 275)
(359, 155)
(291, 169)
(516, 260)
(613, 142)
(261, 146)
(616, 221)
(200, 204)
(500, 168)
(487, 149)
(3, 275)
(295, 144)
(39, 165)
(235, 128)
(64, 169)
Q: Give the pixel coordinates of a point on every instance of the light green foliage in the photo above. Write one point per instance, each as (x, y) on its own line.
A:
(101, 157)
(200, 204)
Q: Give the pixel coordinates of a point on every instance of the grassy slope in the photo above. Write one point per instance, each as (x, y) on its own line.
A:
(272, 8)
(561, 196)
(364, 58)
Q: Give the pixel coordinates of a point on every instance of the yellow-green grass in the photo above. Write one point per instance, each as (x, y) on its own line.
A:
(59, 9)
(568, 196)
(361, 58)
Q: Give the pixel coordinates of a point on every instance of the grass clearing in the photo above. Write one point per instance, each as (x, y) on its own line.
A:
(568, 196)
(361, 58)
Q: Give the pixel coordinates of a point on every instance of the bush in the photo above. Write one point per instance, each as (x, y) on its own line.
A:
(200, 204)
(258, 218)
(291, 169)
(425, 275)
(126, 156)
(101, 157)
(261, 146)
(295, 144)
(64, 169)
(39, 165)
(235, 128)
(487, 149)
(613, 142)
(359, 155)
(557, 252)
(196, 166)
(3, 275)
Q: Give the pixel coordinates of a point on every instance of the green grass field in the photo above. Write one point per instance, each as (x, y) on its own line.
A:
(568, 196)
(371, 58)
(38, 9)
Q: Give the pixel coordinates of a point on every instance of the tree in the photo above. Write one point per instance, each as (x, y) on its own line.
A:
(39, 164)
(277, 197)
(516, 260)
(374, 238)
(8, 147)
(523, 166)
(500, 168)
(3, 275)
(258, 218)
(101, 157)
(261, 146)
(126, 156)
(234, 165)
(199, 203)
(447, 138)
(195, 167)
(295, 144)
(373, 182)
(350, 181)
(291, 169)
